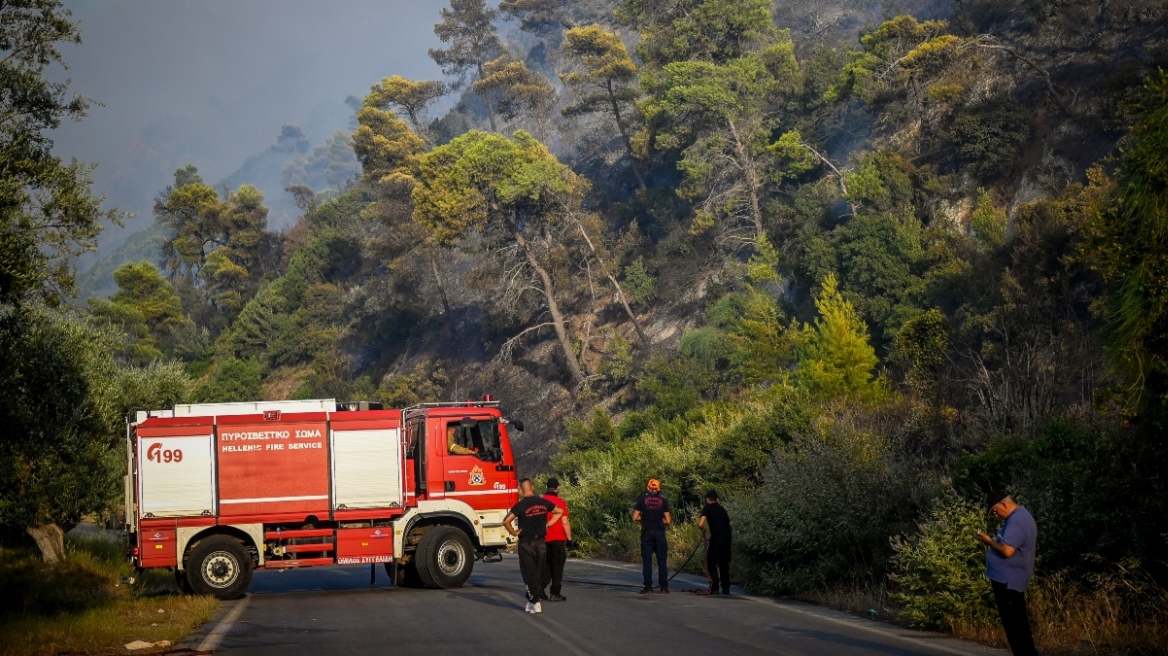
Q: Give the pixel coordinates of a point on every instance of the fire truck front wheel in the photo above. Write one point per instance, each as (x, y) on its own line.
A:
(219, 566)
(444, 557)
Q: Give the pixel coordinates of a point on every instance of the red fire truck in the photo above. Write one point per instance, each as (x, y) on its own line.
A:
(217, 490)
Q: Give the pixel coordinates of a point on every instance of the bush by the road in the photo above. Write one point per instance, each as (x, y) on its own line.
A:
(856, 510)
(940, 572)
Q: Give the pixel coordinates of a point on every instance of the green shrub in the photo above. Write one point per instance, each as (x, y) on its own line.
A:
(425, 384)
(1069, 477)
(672, 386)
(234, 380)
(939, 573)
(597, 433)
(618, 359)
(714, 445)
(986, 137)
(641, 286)
(989, 223)
(827, 506)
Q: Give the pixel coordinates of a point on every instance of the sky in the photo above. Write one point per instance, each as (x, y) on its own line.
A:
(211, 82)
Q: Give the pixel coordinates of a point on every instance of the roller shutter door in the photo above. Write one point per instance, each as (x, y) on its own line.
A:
(176, 476)
(366, 469)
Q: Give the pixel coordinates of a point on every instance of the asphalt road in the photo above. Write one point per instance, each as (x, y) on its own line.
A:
(335, 611)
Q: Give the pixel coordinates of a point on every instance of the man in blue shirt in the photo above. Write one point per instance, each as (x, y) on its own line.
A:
(1009, 567)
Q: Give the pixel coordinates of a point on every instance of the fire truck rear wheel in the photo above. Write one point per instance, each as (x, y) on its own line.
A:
(444, 557)
(219, 566)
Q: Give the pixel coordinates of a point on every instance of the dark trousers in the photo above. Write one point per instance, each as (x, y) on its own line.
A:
(553, 569)
(531, 556)
(1015, 620)
(718, 564)
(653, 543)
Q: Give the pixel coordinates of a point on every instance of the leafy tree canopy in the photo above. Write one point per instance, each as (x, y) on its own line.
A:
(48, 215)
(1126, 240)
(145, 307)
(479, 179)
(716, 31)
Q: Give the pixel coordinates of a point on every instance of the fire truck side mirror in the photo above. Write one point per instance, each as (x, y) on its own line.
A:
(517, 423)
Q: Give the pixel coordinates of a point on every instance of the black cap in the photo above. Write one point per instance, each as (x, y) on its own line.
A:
(995, 497)
(553, 484)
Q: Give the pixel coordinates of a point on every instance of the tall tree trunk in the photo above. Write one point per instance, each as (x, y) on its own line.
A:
(553, 307)
(50, 539)
(620, 293)
(587, 340)
(487, 100)
(441, 290)
(752, 180)
(624, 134)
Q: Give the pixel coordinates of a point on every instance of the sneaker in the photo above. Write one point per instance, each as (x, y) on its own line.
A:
(530, 608)
(537, 608)
(557, 597)
(646, 590)
(664, 590)
(543, 596)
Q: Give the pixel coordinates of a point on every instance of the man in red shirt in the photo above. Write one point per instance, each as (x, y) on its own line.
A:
(558, 536)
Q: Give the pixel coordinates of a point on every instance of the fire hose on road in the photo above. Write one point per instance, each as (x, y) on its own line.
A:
(704, 544)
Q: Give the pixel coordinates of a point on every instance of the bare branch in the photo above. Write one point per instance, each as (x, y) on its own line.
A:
(838, 174)
(508, 347)
(990, 42)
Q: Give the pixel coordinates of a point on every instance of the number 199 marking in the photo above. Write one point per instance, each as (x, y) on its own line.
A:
(158, 454)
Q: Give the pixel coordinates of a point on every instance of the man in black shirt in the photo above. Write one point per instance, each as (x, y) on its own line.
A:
(535, 514)
(718, 550)
(652, 511)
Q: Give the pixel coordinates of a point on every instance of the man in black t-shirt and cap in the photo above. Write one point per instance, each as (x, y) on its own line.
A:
(652, 511)
(535, 514)
(718, 549)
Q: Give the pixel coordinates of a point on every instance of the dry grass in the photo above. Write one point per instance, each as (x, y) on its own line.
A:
(1109, 615)
(106, 629)
(80, 606)
(1113, 615)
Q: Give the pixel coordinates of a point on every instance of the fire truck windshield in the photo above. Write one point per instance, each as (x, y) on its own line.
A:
(475, 437)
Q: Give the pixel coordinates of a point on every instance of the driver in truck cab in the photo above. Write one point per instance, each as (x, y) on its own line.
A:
(452, 444)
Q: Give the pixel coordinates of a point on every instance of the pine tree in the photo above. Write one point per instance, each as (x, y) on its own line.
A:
(835, 356)
(469, 27)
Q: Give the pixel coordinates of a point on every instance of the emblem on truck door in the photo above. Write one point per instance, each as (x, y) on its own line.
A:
(476, 476)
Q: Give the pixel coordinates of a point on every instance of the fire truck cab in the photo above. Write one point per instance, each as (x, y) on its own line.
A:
(217, 490)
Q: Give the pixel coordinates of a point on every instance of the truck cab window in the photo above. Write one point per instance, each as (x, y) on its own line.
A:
(413, 434)
(480, 440)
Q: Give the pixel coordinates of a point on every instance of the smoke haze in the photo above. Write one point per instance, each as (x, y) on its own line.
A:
(212, 82)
